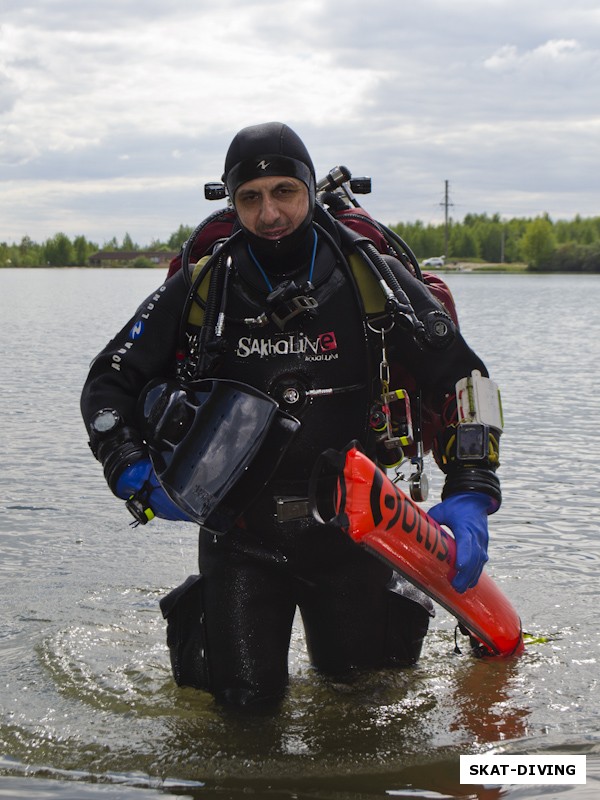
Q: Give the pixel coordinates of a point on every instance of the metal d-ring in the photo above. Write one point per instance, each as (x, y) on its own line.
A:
(382, 329)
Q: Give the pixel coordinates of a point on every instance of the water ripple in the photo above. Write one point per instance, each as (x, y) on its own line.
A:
(85, 687)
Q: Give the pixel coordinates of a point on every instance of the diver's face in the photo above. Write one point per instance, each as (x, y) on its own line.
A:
(272, 207)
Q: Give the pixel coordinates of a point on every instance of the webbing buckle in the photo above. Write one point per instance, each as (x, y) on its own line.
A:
(290, 508)
(291, 308)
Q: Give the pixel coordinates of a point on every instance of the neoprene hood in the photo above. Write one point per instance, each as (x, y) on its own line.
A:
(269, 149)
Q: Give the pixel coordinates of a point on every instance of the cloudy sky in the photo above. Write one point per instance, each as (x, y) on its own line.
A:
(114, 113)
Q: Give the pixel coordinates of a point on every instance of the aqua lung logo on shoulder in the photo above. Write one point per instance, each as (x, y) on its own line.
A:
(321, 348)
(137, 330)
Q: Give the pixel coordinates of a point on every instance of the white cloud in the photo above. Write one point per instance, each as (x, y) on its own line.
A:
(556, 53)
(112, 116)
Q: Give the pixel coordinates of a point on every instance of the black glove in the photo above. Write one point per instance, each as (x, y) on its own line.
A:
(117, 452)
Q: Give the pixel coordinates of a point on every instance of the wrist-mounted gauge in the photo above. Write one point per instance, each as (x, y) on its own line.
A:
(105, 422)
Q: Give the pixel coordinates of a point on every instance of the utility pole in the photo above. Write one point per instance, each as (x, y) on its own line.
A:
(446, 205)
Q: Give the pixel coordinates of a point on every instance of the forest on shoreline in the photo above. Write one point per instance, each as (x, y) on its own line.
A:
(540, 243)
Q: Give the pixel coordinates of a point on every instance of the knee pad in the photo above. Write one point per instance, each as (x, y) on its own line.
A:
(183, 608)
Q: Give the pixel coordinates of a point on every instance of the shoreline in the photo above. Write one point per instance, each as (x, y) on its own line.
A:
(458, 267)
(486, 266)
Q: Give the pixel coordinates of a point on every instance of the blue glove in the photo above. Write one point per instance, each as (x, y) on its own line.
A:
(466, 515)
(140, 479)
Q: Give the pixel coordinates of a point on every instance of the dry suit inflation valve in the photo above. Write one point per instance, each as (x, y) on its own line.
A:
(438, 329)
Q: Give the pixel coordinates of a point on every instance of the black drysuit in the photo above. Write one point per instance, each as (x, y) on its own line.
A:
(253, 578)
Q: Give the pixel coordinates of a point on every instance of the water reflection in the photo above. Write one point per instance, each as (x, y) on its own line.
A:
(128, 718)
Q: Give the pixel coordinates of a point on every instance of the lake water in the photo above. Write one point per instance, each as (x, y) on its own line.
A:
(88, 706)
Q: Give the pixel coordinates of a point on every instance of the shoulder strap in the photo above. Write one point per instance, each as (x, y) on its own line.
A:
(368, 287)
(196, 315)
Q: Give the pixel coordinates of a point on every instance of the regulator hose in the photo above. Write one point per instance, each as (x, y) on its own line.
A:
(402, 305)
(395, 241)
(191, 241)
(193, 295)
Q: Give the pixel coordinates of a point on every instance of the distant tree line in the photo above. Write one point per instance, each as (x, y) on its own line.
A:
(61, 251)
(542, 244)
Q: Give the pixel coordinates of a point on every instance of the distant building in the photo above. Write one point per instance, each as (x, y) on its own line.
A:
(124, 258)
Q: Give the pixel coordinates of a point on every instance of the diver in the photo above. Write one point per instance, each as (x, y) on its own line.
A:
(285, 325)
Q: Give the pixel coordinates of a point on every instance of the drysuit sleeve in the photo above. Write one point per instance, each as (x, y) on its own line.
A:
(437, 363)
(144, 349)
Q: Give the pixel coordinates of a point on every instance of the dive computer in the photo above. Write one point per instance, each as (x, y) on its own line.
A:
(105, 422)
